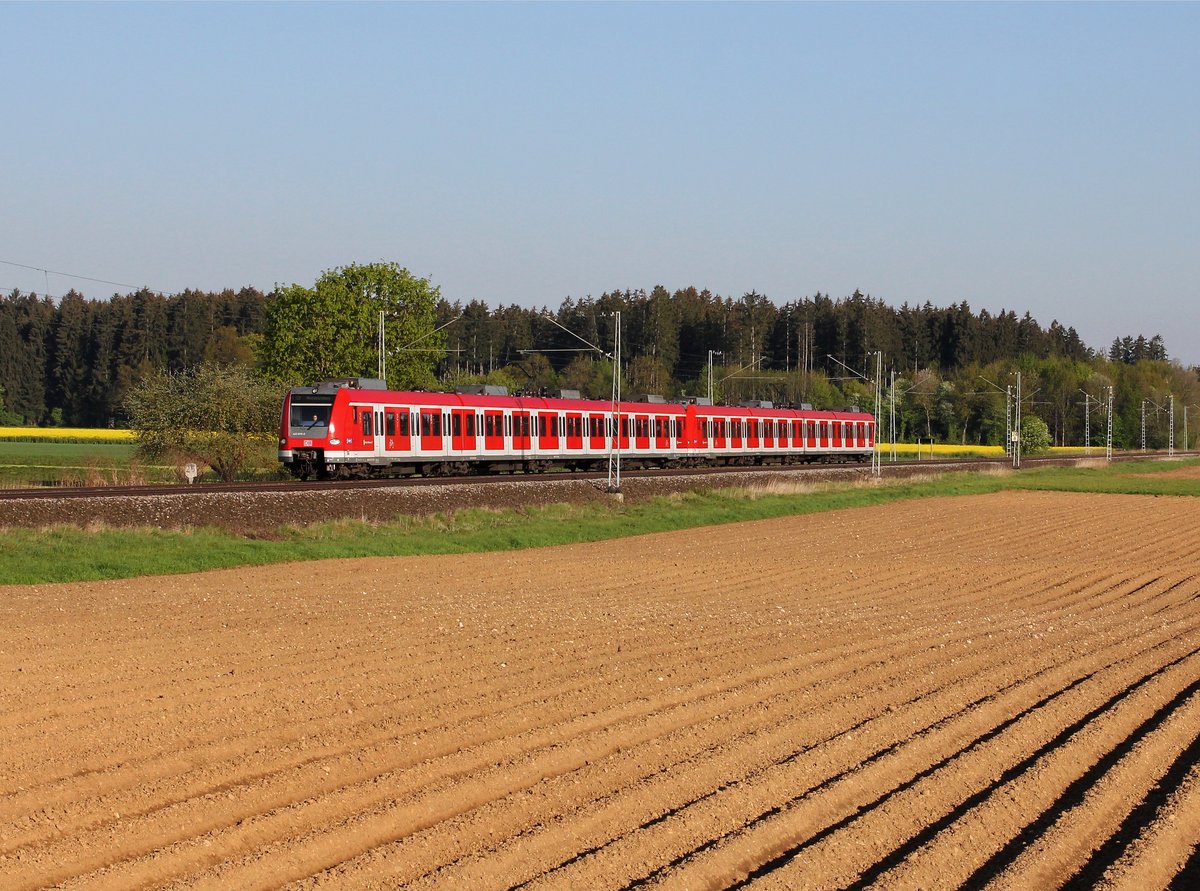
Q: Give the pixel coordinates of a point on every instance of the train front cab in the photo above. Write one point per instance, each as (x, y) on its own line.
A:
(306, 426)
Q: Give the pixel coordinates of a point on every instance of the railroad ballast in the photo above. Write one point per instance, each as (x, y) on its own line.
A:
(355, 427)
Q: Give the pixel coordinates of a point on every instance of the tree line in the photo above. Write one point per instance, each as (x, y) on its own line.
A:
(74, 361)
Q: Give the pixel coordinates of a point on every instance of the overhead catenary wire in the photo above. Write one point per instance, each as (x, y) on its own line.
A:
(87, 278)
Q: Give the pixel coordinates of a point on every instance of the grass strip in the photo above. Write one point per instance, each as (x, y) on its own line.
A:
(64, 554)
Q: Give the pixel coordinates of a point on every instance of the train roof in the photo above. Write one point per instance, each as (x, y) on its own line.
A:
(374, 392)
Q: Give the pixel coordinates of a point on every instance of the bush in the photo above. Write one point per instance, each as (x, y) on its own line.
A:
(217, 415)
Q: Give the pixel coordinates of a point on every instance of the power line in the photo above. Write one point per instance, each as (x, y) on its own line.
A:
(86, 278)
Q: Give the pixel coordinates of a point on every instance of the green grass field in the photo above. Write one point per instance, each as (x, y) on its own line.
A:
(27, 463)
(30, 556)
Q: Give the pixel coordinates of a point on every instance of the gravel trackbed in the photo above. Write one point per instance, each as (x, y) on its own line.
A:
(998, 691)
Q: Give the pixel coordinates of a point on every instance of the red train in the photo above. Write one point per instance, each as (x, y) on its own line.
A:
(356, 428)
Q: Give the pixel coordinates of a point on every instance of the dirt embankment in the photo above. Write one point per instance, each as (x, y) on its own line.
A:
(260, 512)
(999, 690)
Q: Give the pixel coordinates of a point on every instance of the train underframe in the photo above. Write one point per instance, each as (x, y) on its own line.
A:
(313, 466)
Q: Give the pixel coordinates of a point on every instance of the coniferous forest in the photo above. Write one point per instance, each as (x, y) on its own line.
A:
(71, 361)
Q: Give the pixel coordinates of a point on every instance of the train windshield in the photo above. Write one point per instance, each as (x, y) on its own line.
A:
(310, 418)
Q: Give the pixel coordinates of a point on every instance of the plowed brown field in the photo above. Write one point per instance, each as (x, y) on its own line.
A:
(1000, 690)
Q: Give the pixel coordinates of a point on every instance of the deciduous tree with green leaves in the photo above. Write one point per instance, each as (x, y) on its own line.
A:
(217, 415)
(331, 329)
(1035, 435)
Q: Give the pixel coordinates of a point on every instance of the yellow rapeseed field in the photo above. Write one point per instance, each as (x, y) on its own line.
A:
(89, 434)
(940, 449)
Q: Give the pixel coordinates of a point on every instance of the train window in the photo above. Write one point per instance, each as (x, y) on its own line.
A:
(390, 421)
(554, 425)
(456, 425)
(366, 423)
(404, 423)
(508, 425)
(471, 424)
(356, 414)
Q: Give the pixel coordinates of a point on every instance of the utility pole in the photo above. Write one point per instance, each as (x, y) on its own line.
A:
(1087, 424)
(712, 353)
(1017, 425)
(893, 401)
(1171, 434)
(1008, 426)
(614, 451)
(876, 457)
(1108, 455)
(1143, 426)
(382, 347)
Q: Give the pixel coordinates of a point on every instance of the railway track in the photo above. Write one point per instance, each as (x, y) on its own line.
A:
(286, 486)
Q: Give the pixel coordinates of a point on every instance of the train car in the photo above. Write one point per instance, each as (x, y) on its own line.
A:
(355, 427)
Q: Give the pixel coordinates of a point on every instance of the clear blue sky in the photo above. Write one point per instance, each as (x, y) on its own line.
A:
(1041, 157)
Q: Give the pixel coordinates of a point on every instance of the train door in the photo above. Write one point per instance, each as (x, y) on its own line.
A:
(548, 431)
(661, 440)
(596, 433)
(380, 444)
(573, 425)
(365, 428)
(431, 430)
(520, 431)
(391, 429)
(641, 432)
(459, 440)
(493, 431)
